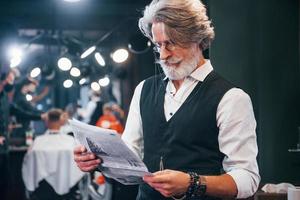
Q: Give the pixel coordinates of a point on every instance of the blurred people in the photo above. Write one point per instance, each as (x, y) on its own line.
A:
(87, 112)
(98, 111)
(109, 119)
(6, 86)
(20, 103)
(69, 113)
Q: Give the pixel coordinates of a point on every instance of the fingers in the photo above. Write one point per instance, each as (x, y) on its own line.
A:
(88, 165)
(158, 177)
(84, 160)
(79, 149)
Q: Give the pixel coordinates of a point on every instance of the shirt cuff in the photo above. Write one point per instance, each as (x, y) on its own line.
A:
(246, 182)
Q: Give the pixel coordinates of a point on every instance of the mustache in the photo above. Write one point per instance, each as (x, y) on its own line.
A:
(171, 60)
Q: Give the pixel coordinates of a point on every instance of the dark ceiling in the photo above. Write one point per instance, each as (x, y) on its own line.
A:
(58, 14)
(47, 25)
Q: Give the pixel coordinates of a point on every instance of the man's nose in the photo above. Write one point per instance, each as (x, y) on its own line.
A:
(164, 53)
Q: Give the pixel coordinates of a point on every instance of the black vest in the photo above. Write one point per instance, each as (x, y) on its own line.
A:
(189, 140)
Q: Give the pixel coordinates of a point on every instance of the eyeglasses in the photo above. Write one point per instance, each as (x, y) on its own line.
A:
(168, 45)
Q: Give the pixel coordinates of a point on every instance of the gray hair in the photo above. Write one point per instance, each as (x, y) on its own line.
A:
(185, 20)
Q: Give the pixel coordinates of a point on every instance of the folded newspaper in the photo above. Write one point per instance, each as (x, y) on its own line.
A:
(119, 162)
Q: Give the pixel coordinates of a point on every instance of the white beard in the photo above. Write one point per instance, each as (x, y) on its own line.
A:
(185, 68)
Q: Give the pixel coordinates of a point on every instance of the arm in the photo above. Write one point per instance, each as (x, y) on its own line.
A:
(237, 140)
(17, 110)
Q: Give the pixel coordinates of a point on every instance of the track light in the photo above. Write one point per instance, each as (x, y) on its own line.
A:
(87, 52)
(35, 72)
(82, 81)
(68, 83)
(75, 72)
(100, 60)
(95, 86)
(104, 82)
(64, 64)
(120, 55)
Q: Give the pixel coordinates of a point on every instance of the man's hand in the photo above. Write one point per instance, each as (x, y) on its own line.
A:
(169, 182)
(84, 160)
(2, 139)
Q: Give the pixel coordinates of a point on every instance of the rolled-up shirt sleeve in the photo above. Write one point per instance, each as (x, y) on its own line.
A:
(133, 133)
(237, 140)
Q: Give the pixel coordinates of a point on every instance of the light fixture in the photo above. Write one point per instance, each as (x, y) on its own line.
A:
(29, 97)
(15, 55)
(75, 72)
(87, 52)
(95, 86)
(99, 58)
(104, 82)
(68, 83)
(64, 64)
(15, 61)
(35, 72)
(82, 81)
(120, 55)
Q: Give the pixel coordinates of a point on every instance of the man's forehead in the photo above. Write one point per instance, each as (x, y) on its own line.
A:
(159, 32)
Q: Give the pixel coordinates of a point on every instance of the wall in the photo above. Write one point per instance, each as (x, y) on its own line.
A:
(257, 48)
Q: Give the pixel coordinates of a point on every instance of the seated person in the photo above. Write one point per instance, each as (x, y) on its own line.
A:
(50, 160)
(109, 120)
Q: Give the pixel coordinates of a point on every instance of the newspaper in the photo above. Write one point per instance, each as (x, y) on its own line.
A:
(119, 162)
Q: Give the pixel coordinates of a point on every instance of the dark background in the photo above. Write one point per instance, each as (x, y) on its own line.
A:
(256, 47)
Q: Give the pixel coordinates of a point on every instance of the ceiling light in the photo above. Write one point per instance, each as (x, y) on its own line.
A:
(75, 72)
(64, 64)
(99, 59)
(35, 72)
(87, 52)
(15, 61)
(104, 82)
(68, 83)
(82, 81)
(120, 55)
(29, 97)
(95, 86)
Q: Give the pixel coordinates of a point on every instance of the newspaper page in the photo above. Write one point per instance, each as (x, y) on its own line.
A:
(119, 162)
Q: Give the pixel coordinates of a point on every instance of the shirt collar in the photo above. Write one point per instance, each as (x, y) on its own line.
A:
(201, 72)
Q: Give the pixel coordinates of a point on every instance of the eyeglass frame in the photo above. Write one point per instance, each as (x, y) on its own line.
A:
(168, 45)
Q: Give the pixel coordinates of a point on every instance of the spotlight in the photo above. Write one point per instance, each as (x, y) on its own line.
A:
(35, 72)
(15, 61)
(64, 64)
(68, 83)
(120, 55)
(104, 82)
(82, 81)
(75, 72)
(95, 86)
(99, 58)
(28, 97)
(87, 52)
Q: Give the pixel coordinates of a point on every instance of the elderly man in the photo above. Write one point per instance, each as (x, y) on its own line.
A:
(194, 130)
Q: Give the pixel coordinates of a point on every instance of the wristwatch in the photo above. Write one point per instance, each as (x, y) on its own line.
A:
(201, 186)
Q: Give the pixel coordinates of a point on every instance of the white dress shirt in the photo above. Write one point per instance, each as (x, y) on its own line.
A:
(235, 119)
